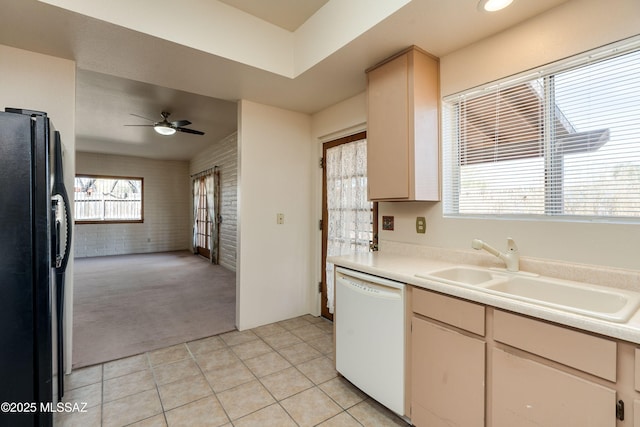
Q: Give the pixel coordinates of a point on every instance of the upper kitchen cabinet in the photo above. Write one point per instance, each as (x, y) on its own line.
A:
(402, 127)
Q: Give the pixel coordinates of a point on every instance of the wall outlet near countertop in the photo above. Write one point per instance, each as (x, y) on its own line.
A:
(387, 223)
(421, 225)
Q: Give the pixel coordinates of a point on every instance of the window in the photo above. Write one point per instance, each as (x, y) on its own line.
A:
(561, 142)
(108, 199)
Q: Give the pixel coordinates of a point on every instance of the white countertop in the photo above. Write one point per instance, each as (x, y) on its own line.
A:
(403, 268)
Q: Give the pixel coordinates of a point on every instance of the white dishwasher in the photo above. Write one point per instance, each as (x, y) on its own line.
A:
(370, 335)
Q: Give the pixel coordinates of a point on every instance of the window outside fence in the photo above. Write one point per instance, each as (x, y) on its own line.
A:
(108, 199)
(562, 142)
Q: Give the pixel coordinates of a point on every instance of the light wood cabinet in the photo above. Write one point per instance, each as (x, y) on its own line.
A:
(585, 352)
(448, 365)
(637, 369)
(403, 127)
(529, 394)
(476, 365)
(448, 377)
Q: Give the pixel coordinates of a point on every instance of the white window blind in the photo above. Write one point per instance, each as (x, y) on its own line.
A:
(560, 142)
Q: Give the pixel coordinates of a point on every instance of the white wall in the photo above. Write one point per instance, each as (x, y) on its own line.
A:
(44, 83)
(224, 154)
(167, 212)
(273, 270)
(571, 28)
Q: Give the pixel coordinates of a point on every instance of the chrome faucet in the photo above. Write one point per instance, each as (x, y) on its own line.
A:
(511, 258)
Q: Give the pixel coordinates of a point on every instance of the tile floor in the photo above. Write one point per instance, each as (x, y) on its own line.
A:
(277, 375)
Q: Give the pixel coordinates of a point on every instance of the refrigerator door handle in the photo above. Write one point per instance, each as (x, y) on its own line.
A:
(63, 224)
(59, 189)
(60, 231)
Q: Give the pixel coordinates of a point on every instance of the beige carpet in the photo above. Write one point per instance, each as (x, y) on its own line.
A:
(130, 304)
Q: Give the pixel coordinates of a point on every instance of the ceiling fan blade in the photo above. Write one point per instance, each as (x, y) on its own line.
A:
(179, 123)
(193, 131)
(142, 117)
(139, 125)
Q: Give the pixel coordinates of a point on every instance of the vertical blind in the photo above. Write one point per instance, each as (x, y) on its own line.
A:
(563, 141)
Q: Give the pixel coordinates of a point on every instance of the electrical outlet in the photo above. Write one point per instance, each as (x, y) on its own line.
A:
(421, 225)
(387, 223)
(280, 218)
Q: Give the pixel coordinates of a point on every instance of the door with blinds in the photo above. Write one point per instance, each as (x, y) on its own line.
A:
(349, 220)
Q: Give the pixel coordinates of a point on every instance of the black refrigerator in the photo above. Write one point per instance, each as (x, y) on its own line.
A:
(35, 234)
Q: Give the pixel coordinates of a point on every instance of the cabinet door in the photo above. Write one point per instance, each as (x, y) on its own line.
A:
(447, 377)
(637, 373)
(528, 394)
(388, 131)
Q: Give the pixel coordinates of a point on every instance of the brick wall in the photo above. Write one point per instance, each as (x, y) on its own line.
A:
(224, 154)
(167, 207)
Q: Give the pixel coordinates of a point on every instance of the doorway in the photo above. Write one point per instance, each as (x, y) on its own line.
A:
(349, 220)
(203, 220)
(206, 219)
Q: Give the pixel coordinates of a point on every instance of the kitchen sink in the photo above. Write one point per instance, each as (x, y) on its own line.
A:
(615, 305)
(595, 301)
(461, 275)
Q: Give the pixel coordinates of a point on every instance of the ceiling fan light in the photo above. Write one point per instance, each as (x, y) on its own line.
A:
(164, 129)
(493, 5)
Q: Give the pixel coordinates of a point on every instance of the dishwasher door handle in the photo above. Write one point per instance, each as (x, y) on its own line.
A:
(371, 290)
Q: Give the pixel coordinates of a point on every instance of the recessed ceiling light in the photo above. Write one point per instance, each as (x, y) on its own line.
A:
(493, 5)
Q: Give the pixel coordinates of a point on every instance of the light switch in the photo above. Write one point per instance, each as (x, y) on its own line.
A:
(421, 225)
(280, 218)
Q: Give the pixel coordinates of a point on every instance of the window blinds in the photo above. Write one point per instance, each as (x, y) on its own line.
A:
(563, 141)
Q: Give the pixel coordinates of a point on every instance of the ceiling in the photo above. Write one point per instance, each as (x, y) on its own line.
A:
(287, 14)
(122, 71)
(105, 104)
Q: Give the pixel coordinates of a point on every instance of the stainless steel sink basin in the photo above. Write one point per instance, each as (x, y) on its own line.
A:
(591, 300)
(600, 302)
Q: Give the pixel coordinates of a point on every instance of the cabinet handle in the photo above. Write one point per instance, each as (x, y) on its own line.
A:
(620, 410)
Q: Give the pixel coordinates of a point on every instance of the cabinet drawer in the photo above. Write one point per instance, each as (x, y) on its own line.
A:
(585, 352)
(452, 311)
(527, 394)
(638, 372)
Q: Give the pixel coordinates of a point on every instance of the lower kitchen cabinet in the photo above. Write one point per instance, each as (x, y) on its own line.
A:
(448, 377)
(636, 402)
(637, 369)
(527, 394)
(475, 365)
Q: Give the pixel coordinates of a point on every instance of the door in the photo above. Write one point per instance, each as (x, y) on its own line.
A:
(202, 219)
(349, 220)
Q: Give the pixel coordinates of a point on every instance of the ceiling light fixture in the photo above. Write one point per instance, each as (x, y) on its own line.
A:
(493, 5)
(163, 129)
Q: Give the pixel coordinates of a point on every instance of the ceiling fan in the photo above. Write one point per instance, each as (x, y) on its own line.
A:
(165, 127)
